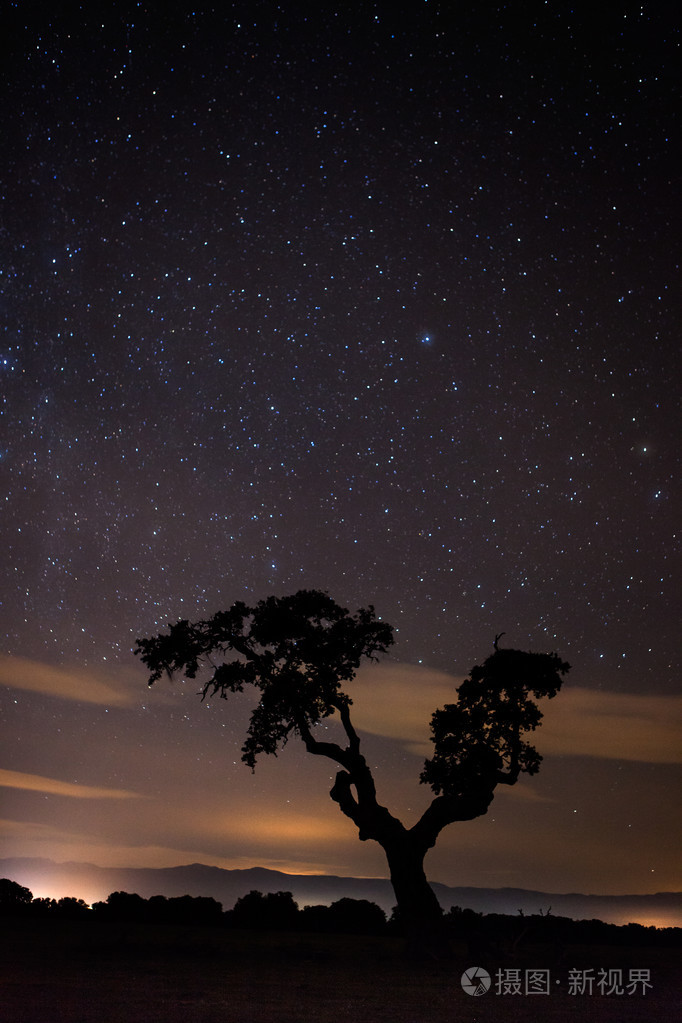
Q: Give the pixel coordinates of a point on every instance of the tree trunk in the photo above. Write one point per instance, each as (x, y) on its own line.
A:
(419, 913)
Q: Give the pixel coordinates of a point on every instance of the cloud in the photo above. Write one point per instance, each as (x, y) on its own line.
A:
(397, 700)
(23, 831)
(617, 726)
(66, 683)
(36, 783)
(26, 839)
(277, 828)
(45, 849)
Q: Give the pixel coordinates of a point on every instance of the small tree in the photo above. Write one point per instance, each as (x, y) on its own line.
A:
(297, 651)
(275, 911)
(14, 897)
(71, 908)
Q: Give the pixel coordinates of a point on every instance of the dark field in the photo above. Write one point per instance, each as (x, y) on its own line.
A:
(73, 972)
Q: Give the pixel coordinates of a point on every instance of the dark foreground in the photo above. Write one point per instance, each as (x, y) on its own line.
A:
(74, 972)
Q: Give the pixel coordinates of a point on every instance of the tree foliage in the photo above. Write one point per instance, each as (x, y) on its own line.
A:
(295, 650)
(479, 740)
(274, 911)
(13, 895)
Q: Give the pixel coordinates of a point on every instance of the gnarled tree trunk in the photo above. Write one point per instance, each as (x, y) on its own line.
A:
(419, 912)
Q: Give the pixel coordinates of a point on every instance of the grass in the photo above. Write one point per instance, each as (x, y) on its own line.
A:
(77, 972)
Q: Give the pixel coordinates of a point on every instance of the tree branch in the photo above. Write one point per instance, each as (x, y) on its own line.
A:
(371, 819)
(341, 793)
(511, 775)
(331, 750)
(445, 810)
(353, 737)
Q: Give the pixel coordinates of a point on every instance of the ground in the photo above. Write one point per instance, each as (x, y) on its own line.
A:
(77, 972)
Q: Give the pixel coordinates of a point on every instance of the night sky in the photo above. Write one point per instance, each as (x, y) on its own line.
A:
(379, 302)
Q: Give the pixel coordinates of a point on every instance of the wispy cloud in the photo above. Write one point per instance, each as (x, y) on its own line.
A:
(278, 829)
(55, 787)
(66, 683)
(618, 726)
(397, 700)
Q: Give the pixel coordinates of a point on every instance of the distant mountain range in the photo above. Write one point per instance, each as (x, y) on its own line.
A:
(84, 880)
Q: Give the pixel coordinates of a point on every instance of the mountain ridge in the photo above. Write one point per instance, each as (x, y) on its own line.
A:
(45, 877)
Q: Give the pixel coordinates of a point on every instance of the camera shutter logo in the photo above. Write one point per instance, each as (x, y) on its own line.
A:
(475, 980)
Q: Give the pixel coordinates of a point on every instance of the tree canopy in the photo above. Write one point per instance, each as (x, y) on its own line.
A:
(295, 650)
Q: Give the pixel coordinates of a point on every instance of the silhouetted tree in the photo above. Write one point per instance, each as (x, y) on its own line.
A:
(128, 906)
(14, 898)
(275, 911)
(356, 916)
(71, 908)
(180, 909)
(296, 651)
(345, 916)
(194, 909)
(43, 906)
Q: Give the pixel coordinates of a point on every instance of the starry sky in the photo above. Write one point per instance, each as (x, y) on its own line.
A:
(381, 302)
